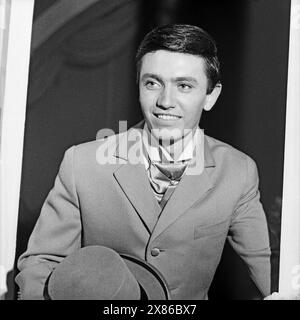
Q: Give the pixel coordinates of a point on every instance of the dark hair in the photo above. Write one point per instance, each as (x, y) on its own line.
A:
(183, 38)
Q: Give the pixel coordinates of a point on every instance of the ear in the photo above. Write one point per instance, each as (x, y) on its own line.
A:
(212, 98)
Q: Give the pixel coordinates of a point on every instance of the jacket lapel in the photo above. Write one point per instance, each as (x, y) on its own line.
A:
(191, 188)
(133, 179)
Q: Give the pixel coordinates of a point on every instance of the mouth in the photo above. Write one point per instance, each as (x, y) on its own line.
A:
(165, 116)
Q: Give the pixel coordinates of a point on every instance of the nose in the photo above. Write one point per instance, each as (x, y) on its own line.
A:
(166, 99)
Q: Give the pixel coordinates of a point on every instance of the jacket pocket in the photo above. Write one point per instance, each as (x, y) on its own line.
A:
(211, 230)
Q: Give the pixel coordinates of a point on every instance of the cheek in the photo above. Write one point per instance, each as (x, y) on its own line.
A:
(193, 111)
(146, 100)
(144, 104)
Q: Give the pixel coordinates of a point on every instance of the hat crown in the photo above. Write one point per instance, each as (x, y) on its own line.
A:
(93, 273)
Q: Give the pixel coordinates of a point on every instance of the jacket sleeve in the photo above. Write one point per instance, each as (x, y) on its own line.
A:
(57, 233)
(249, 232)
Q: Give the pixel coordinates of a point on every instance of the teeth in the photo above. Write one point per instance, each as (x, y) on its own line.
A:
(167, 117)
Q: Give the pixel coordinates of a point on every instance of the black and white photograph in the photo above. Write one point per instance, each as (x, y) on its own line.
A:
(150, 151)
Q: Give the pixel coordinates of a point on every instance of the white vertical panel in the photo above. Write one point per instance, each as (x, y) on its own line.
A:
(290, 225)
(12, 131)
(4, 18)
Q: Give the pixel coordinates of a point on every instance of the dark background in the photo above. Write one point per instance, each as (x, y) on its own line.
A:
(82, 79)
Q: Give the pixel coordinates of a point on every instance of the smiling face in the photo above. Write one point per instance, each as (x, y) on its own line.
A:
(173, 93)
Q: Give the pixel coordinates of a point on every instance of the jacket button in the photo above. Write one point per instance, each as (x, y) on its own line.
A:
(155, 252)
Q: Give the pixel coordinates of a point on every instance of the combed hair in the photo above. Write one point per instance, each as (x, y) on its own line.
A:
(183, 38)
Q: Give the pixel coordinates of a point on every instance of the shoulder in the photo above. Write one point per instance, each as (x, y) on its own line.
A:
(224, 151)
(90, 147)
(231, 160)
(235, 172)
(85, 154)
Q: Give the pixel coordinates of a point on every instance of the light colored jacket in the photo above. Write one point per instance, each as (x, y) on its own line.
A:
(113, 205)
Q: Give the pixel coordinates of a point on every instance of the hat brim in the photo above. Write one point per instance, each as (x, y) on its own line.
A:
(148, 277)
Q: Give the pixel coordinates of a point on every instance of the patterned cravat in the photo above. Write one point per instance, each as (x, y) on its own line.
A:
(164, 178)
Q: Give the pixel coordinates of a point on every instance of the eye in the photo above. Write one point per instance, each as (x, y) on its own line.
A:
(150, 84)
(185, 87)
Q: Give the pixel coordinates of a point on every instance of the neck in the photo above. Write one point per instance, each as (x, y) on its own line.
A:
(174, 148)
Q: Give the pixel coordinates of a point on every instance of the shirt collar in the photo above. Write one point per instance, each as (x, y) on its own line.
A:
(156, 151)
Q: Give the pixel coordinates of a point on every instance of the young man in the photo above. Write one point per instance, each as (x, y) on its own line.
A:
(161, 191)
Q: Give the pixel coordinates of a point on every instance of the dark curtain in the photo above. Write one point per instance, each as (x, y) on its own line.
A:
(81, 79)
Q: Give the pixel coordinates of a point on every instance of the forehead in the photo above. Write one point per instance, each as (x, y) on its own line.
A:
(173, 64)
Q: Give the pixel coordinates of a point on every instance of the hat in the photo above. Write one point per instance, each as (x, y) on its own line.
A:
(100, 273)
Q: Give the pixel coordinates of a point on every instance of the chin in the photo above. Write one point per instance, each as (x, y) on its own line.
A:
(166, 133)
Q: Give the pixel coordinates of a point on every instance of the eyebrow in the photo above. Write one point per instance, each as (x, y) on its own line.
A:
(152, 75)
(189, 79)
(177, 79)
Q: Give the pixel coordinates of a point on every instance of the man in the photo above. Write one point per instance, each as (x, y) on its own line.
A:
(161, 191)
